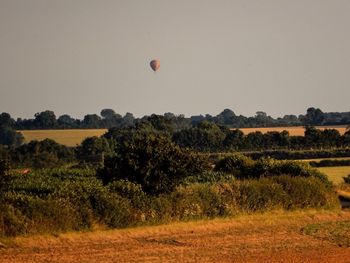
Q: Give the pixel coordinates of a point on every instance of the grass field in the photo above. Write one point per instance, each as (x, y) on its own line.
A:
(66, 137)
(336, 174)
(294, 130)
(308, 236)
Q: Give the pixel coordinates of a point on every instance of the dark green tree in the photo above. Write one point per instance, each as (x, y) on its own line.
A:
(45, 120)
(152, 161)
(91, 121)
(93, 150)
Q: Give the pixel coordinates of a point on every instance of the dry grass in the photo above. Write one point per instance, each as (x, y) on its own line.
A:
(336, 173)
(66, 137)
(274, 237)
(294, 130)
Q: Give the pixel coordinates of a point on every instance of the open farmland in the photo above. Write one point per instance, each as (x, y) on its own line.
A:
(335, 173)
(309, 236)
(70, 137)
(293, 130)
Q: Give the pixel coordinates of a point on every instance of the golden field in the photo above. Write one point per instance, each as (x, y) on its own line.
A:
(336, 173)
(293, 130)
(298, 236)
(70, 137)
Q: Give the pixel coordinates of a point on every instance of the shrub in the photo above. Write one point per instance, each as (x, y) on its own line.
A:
(196, 201)
(305, 192)
(261, 195)
(152, 161)
(236, 164)
(208, 177)
(12, 222)
(42, 154)
(330, 163)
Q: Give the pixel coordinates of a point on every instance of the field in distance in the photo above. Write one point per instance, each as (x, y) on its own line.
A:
(70, 137)
(294, 130)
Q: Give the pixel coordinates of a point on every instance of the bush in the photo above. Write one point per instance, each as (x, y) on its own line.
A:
(196, 201)
(152, 161)
(42, 154)
(236, 164)
(330, 163)
(208, 177)
(244, 168)
(305, 192)
(261, 195)
(12, 222)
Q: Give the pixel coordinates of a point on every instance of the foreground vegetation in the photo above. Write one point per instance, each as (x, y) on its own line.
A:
(147, 174)
(58, 200)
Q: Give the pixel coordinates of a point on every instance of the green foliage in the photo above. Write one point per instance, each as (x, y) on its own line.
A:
(56, 200)
(4, 173)
(236, 164)
(152, 161)
(305, 192)
(261, 195)
(204, 137)
(93, 150)
(42, 154)
(245, 168)
(9, 137)
(208, 177)
(330, 163)
(196, 201)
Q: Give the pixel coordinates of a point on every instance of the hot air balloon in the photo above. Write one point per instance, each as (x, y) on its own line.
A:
(155, 64)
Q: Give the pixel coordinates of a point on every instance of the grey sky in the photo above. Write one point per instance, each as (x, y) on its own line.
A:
(80, 56)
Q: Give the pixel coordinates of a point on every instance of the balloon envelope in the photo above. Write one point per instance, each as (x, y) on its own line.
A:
(155, 64)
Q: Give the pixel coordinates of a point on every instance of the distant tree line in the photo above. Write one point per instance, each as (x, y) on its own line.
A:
(108, 118)
(202, 136)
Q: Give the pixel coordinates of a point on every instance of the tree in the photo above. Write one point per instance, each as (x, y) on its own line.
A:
(128, 119)
(152, 161)
(6, 120)
(313, 136)
(91, 121)
(254, 140)
(108, 113)
(93, 150)
(45, 120)
(313, 117)
(66, 121)
(10, 137)
(42, 154)
(234, 140)
(203, 137)
(226, 117)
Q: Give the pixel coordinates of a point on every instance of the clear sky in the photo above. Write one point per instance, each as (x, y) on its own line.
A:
(80, 56)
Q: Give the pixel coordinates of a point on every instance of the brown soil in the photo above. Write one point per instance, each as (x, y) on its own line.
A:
(273, 237)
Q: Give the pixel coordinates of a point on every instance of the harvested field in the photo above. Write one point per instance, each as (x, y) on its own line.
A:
(311, 236)
(335, 173)
(70, 137)
(294, 130)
